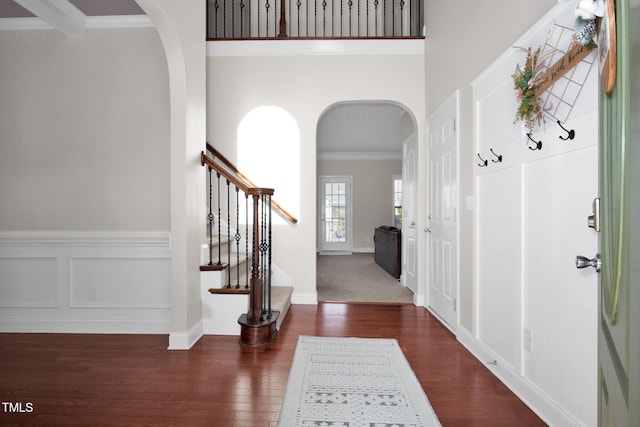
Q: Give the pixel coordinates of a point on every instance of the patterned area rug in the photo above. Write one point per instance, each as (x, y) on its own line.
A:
(353, 382)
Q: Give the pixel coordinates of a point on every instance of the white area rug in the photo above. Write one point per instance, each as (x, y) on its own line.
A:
(353, 382)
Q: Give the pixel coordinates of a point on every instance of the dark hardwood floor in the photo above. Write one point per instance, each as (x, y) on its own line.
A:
(132, 380)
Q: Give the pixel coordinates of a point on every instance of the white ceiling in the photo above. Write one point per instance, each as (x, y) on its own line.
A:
(350, 128)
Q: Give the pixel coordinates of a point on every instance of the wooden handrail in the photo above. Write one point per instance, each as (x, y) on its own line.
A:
(244, 183)
(218, 155)
(206, 160)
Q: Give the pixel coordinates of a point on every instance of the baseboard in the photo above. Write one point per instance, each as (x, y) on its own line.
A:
(331, 253)
(304, 298)
(186, 340)
(371, 250)
(85, 326)
(551, 413)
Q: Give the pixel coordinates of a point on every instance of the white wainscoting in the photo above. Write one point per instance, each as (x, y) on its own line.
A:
(536, 315)
(85, 282)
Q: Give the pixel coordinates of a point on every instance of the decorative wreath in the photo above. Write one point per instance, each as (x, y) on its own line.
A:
(525, 80)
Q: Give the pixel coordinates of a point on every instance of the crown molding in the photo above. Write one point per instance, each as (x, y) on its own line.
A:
(61, 15)
(93, 22)
(347, 155)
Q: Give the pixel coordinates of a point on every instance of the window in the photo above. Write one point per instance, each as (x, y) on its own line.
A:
(397, 201)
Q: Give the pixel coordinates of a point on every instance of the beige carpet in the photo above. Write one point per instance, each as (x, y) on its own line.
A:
(357, 278)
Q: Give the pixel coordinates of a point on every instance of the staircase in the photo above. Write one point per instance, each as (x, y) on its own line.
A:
(239, 290)
(223, 304)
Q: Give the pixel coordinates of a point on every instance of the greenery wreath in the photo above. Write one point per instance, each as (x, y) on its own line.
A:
(525, 79)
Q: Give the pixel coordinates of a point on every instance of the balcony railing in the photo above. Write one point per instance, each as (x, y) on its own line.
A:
(259, 19)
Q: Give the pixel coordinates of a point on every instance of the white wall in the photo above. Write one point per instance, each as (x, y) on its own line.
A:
(304, 86)
(372, 194)
(182, 28)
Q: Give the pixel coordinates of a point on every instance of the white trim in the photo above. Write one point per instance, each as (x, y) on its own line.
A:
(186, 339)
(93, 22)
(549, 411)
(353, 155)
(315, 47)
(62, 15)
(304, 298)
(364, 250)
(85, 326)
(157, 239)
(119, 21)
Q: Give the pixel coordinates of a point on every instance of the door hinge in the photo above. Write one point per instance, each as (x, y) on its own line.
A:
(455, 303)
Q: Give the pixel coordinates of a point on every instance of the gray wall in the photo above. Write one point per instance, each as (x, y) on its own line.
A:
(84, 140)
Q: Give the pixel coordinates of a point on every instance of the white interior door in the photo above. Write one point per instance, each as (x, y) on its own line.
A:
(409, 255)
(335, 214)
(442, 222)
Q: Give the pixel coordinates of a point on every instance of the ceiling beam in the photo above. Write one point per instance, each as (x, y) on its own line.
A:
(60, 14)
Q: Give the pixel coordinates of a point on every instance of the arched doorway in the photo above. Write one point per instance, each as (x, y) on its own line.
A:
(362, 148)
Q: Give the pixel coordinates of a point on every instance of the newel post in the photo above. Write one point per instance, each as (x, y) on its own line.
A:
(283, 20)
(258, 326)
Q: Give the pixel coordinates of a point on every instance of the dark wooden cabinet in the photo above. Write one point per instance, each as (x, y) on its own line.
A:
(387, 249)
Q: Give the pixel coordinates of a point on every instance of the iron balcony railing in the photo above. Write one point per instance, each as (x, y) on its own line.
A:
(259, 19)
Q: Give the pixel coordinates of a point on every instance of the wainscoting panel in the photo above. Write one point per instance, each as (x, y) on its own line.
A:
(29, 282)
(535, 313)
(120, 282)
(90, 282)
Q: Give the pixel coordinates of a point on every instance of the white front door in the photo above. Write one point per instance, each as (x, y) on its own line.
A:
(442, 222)
(335, 214)
(409, 255)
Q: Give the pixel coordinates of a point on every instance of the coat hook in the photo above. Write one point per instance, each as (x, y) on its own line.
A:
(537, 143)
(499, 156)
(571, 133)
(484, 162)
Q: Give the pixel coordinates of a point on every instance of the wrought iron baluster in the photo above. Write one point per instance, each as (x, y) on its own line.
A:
(237, 238)
(402, 3)
(368, 16)
(246, 241)
(262, 256)
(269, 312)
(267, 6)
(255, 259)
(376, 3)
(216, 27)
(219, 218)
(299, 5)
(210, 216)
(324, 18)
(242, 18)
(228, 233)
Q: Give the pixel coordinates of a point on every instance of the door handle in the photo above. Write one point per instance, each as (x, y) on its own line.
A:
(594, 219)
(583, 262)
